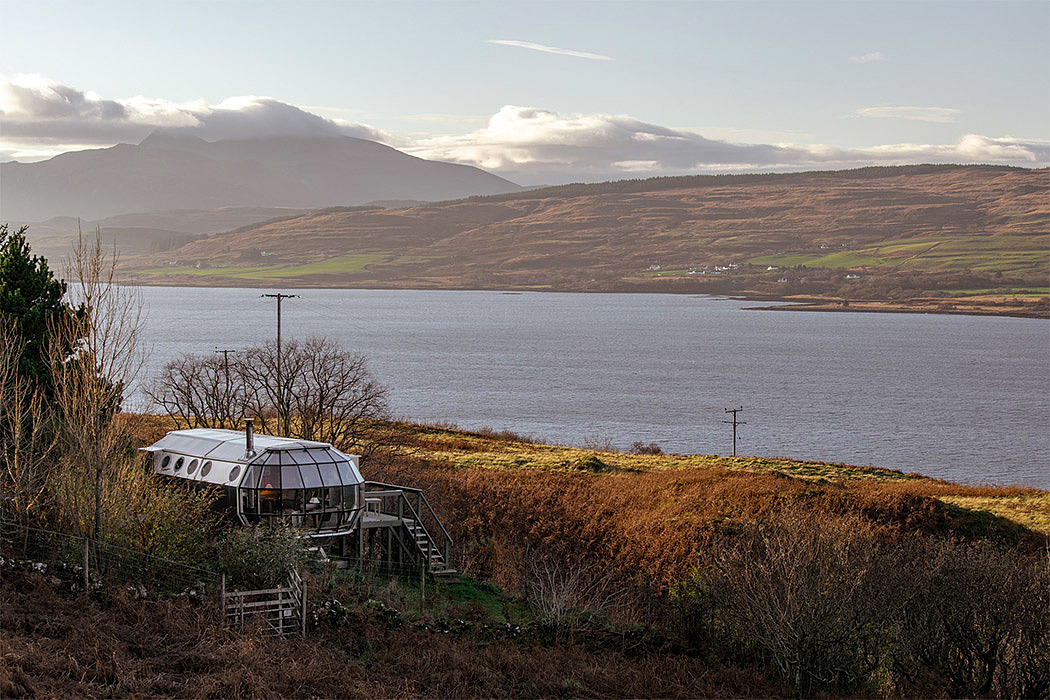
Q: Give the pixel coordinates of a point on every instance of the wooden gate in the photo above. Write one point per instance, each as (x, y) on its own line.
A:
(282, 610)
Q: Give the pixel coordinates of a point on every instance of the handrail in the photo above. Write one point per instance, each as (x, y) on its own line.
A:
(392, 486)
(394, 490)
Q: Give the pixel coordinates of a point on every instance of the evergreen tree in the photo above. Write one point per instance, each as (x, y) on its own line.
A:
(31, 303)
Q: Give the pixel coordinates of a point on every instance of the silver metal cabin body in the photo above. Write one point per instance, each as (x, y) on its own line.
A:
(313, 487)
(309, 485)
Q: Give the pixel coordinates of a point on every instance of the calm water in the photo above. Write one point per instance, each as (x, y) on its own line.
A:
(957, 397)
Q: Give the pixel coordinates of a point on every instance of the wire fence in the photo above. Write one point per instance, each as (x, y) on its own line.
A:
(82, 563)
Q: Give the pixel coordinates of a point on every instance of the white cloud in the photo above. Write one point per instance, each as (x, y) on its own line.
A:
(533, 145)
(551, 49)
(530, 145)
(924, 114)
(38, 112)
(872, 57)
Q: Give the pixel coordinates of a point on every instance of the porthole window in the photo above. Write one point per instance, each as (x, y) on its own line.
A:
(165, 462)
(193, 467)
(178, 463)
(234, 473)
(206, 469)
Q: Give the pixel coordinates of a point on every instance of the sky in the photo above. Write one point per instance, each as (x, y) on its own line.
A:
(543, 92)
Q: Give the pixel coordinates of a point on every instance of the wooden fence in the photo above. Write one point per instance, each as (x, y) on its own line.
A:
(281, 610)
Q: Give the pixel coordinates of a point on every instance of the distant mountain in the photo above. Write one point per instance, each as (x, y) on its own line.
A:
(145, 232)
(168, 171)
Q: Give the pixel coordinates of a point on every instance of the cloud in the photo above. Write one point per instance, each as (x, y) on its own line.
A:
(551, 49)
(532, 145)
(37, 111)
(872, 57)
(923, 114)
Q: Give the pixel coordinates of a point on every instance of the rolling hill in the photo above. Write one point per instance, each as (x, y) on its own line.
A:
(897, 228)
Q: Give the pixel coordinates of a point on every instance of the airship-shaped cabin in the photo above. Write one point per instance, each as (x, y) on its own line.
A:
(265, 480)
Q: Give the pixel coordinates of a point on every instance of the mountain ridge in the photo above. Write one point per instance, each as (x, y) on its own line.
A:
(167, 171)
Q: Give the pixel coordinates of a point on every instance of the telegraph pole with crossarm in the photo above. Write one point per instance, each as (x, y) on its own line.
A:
(735, 423)
(281, 412)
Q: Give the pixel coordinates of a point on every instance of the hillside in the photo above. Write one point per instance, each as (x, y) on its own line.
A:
(585, 570)
(168, 171)
(899, 233)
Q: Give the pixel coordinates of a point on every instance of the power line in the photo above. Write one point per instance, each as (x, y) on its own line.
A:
(735, 423)
(282, 412)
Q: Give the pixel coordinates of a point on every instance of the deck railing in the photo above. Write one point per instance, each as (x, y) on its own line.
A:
(406, 502)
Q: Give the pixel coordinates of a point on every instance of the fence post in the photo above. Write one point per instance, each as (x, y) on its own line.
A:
(422, 588)
(302, 612)
(86, 577)
(222, 591)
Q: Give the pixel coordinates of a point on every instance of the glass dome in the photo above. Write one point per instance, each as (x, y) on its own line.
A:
(314, 489)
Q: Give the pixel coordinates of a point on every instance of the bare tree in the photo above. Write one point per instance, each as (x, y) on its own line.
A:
(330, 393)
(200, 391)
(89, 385)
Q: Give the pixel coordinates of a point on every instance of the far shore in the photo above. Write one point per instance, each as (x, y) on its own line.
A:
(1005, 305)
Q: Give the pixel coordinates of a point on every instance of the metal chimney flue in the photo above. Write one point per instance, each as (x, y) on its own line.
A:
(249, 437)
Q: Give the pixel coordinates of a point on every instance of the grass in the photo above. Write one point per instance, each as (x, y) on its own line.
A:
(999, 291)
(987, 253)
(341, 265)
(1026, 507)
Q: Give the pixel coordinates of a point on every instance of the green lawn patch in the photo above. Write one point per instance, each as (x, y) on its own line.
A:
(341, 265)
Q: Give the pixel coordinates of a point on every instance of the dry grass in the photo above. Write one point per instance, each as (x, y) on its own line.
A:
(1027, 507)
(54, 645)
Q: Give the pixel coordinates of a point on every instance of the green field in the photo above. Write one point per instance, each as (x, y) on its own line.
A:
(986, 253)
(342, 265)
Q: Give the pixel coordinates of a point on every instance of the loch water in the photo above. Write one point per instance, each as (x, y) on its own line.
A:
(956, 397)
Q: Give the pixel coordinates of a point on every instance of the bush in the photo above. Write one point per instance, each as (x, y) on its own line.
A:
(804, 595)
(977, 619)
(640, 448)
(254, 558)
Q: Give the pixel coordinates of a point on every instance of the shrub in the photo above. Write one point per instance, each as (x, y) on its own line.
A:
(259, 557)
(640, 448)
(806, 596)
(976, 618)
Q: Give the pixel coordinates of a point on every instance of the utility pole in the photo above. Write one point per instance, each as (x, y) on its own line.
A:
(226, 367)
(281, 412)
(735, 423)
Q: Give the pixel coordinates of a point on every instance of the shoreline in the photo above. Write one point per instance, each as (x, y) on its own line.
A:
(957, 306)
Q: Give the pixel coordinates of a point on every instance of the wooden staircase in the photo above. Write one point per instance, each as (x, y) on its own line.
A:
(418, 529)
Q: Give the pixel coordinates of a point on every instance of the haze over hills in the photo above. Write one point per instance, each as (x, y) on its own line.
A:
(788, 233)
(176, 171)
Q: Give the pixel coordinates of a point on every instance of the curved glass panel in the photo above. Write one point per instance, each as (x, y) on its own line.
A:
(329, 474)
(165, 462)
(178, 463)
(346, 474)
(290, 477)
(251, 476)
(298, 456)
(270, 478)
(234, 473)
(324, 455)
(206, 469)
(311, 477)
(193, 466)
(350, 496)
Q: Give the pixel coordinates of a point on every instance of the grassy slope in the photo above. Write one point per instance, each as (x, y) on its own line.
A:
(1027, 507)
(927, 220)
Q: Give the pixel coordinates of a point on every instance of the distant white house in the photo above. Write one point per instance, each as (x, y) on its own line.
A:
(852, 276)
(654, 268)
